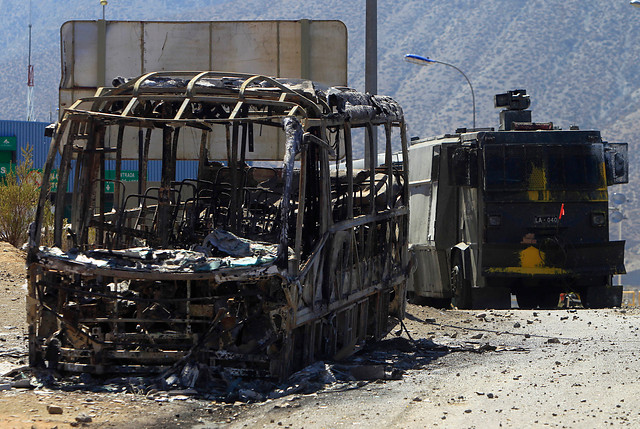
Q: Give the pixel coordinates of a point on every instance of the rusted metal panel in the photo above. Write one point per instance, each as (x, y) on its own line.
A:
(254, 270)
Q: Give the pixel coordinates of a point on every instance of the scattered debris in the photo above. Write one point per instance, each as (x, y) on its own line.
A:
(570, 300)
(25, 383)
(54, 409)
(83, 418)
(368, 372)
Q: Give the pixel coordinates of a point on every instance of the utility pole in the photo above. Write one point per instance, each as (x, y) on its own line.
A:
(371, 75)
(102, 47)
(30, 76)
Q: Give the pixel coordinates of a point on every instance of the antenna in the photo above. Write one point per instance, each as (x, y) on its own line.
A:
(30, 75)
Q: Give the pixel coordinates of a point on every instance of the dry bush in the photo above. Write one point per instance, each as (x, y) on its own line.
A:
(19, 194)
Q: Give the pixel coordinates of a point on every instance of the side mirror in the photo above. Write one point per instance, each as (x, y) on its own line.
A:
(463, 167)
(50, 129)
(616, 163)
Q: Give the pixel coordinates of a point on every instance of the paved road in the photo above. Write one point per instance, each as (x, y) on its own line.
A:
(560, 368)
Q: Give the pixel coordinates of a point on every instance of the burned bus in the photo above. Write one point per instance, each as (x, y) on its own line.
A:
(248, 254)
(522, 210)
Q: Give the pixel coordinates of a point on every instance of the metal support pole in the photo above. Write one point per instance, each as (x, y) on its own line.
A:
(305, 49)
(473, 94)
(102, 52)
(423, 61)
(371, 72)
(620, 239)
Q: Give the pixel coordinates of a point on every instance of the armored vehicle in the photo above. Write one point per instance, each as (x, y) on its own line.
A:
(521, 210)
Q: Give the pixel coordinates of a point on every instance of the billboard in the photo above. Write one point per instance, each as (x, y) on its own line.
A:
(93, 53)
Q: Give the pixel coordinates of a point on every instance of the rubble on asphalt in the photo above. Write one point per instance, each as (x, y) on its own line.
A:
(387, 360)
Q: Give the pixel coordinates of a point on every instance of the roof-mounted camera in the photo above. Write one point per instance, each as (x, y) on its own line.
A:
(515, 104)
(513, 100)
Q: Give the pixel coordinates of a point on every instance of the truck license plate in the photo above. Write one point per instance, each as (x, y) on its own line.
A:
(545, 220)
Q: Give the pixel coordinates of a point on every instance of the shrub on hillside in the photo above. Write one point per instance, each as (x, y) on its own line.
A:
(19, 193)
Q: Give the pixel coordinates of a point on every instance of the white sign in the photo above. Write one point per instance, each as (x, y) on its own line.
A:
(270, 48)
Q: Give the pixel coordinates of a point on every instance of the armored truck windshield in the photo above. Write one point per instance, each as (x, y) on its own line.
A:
(552, 167)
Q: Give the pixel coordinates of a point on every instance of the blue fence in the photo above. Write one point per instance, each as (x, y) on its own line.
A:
(31, 134)
(28, 134)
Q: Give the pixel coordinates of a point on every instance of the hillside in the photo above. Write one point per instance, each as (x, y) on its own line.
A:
(577, 59)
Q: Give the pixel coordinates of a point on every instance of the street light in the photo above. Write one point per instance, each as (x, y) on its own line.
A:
(104, 5)
(424, 61)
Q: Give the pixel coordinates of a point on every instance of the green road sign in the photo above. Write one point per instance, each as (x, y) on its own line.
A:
(53, 180)
(5, 162)
(125, 176)
(8, 143)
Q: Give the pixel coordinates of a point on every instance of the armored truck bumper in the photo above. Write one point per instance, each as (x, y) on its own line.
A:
(553, 259)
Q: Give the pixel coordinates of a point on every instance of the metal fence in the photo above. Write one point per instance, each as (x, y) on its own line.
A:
(28, 134)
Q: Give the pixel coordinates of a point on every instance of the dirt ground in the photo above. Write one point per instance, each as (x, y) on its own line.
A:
(13, 326)
(28, 407)
(446, 368)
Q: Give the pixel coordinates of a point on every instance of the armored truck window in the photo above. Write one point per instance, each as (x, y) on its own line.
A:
(575, 167)
(543, 167)
(584, 168)
(504, 166)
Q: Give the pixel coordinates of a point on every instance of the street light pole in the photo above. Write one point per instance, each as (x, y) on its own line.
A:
(425, 61)
(102, 47)
(104, 6)
(371, 77)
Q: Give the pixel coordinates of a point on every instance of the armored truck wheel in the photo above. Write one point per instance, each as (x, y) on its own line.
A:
(602, 297)
(534, 298)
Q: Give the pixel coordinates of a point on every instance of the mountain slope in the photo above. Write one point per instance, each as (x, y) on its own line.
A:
(577, 59)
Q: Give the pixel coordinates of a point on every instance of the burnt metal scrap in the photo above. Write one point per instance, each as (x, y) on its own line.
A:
(263, 259)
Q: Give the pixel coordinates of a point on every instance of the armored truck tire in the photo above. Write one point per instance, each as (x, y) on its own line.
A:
(537, 297)
(414, 298)
(602, 297)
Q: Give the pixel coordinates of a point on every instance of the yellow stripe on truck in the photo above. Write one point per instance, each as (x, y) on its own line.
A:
(532, 262)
